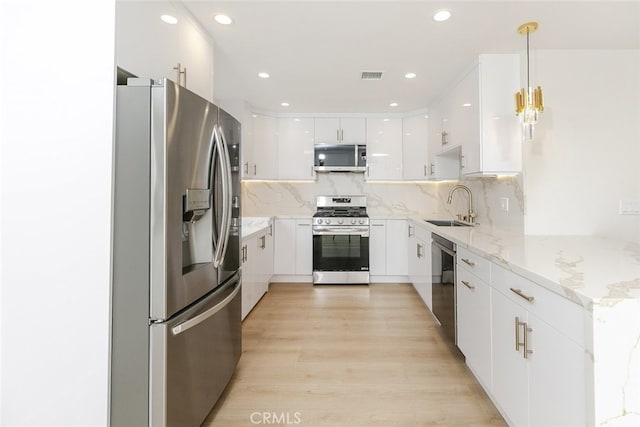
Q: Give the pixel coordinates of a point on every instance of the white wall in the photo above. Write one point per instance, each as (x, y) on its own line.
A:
(56, 122)
(586, 156)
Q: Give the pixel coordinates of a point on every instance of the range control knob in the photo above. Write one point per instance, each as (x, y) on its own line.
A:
(319, 221)
(327, 221)
(361, 221)
(340, 221)
(353, 221)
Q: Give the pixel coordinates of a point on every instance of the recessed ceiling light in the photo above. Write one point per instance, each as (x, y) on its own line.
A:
(284, 104)
(393, 104)
(169, 19)
(385, 120)
(263, 75)
(466, 104)
(223, 19)
(441, 15)
(410, 75)
(426, 116)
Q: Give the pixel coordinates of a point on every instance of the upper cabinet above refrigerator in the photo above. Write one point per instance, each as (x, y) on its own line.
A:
(147, 46)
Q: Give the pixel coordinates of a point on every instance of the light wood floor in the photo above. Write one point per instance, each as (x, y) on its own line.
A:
(349, 356)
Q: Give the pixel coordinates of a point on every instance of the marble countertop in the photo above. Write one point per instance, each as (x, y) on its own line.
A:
(588, 270)
(253, 225)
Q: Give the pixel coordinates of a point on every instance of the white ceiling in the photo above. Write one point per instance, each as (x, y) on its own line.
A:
(316, 50)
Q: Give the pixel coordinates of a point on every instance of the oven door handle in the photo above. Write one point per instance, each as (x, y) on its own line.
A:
(443, 249)
(341, 231)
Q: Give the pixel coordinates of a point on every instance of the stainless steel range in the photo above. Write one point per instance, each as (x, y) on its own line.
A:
(341, 240)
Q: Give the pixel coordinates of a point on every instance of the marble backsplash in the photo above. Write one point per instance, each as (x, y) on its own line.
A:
(428, 199)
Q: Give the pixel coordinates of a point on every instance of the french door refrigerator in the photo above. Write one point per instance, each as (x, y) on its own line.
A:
(175, 339)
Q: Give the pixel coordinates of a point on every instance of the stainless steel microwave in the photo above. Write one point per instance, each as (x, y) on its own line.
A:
(339, 158)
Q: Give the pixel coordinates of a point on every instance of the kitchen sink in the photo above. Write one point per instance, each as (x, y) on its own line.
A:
(447, 223)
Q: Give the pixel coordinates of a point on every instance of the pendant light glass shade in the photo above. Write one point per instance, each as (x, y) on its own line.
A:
(529, 101)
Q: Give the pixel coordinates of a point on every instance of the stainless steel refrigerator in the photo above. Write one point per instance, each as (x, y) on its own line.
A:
(176, 337)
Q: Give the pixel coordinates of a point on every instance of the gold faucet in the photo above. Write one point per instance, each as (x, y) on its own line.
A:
(469, 218)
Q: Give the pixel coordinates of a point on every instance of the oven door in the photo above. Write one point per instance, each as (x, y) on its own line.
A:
(340, 254)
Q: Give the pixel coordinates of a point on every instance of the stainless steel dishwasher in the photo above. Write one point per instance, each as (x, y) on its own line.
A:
(443, 291)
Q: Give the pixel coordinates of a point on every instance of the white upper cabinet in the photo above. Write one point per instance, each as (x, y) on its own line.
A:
(415, 133)
(384, 149)
(489, 134)
(476, 117)
(295, 148)
(263, 161)
(444, 162)
(340, 130)
(149, 47)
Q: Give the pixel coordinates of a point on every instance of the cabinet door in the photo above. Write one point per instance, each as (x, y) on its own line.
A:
(250, 276)
(473, 317)
(501, 140)
(265, 147)
(195, 54)
(269, 252)
(327, 130)
(285, 247)
(377, 248)
(384, 149)
(265, 263)
(304, 247)
(145, 45)
(354, 130)
(510, 374)
(419, 266)
(396, 248)
(295, 148)
(246, 146)
(434, 140)
(556, 378)
(414, 148)
(465, 111)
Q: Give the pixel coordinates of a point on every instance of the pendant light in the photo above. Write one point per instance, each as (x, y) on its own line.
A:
(529, 100)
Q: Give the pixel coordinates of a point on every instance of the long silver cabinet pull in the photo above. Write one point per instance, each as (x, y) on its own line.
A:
(521, 295)
(526, 351)
(411, 230)
(518, 323)
(185, 326)
(468, 262)
(425, 170)
(468, 285)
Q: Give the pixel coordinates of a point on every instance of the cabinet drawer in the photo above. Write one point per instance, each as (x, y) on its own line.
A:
(474, 263)
(562, 314)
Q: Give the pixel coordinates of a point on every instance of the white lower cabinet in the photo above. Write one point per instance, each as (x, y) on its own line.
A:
(388, 247)
(257, 268)
(473, 322)
(419, 262)
(377, 247)
(538, 371)
(293, 247)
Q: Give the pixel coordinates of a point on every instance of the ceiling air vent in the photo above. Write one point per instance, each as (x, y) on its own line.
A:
(371, 75)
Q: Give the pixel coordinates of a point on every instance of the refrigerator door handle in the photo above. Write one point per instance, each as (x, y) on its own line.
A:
(220, 244)
(227, 194)
(185, 326)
